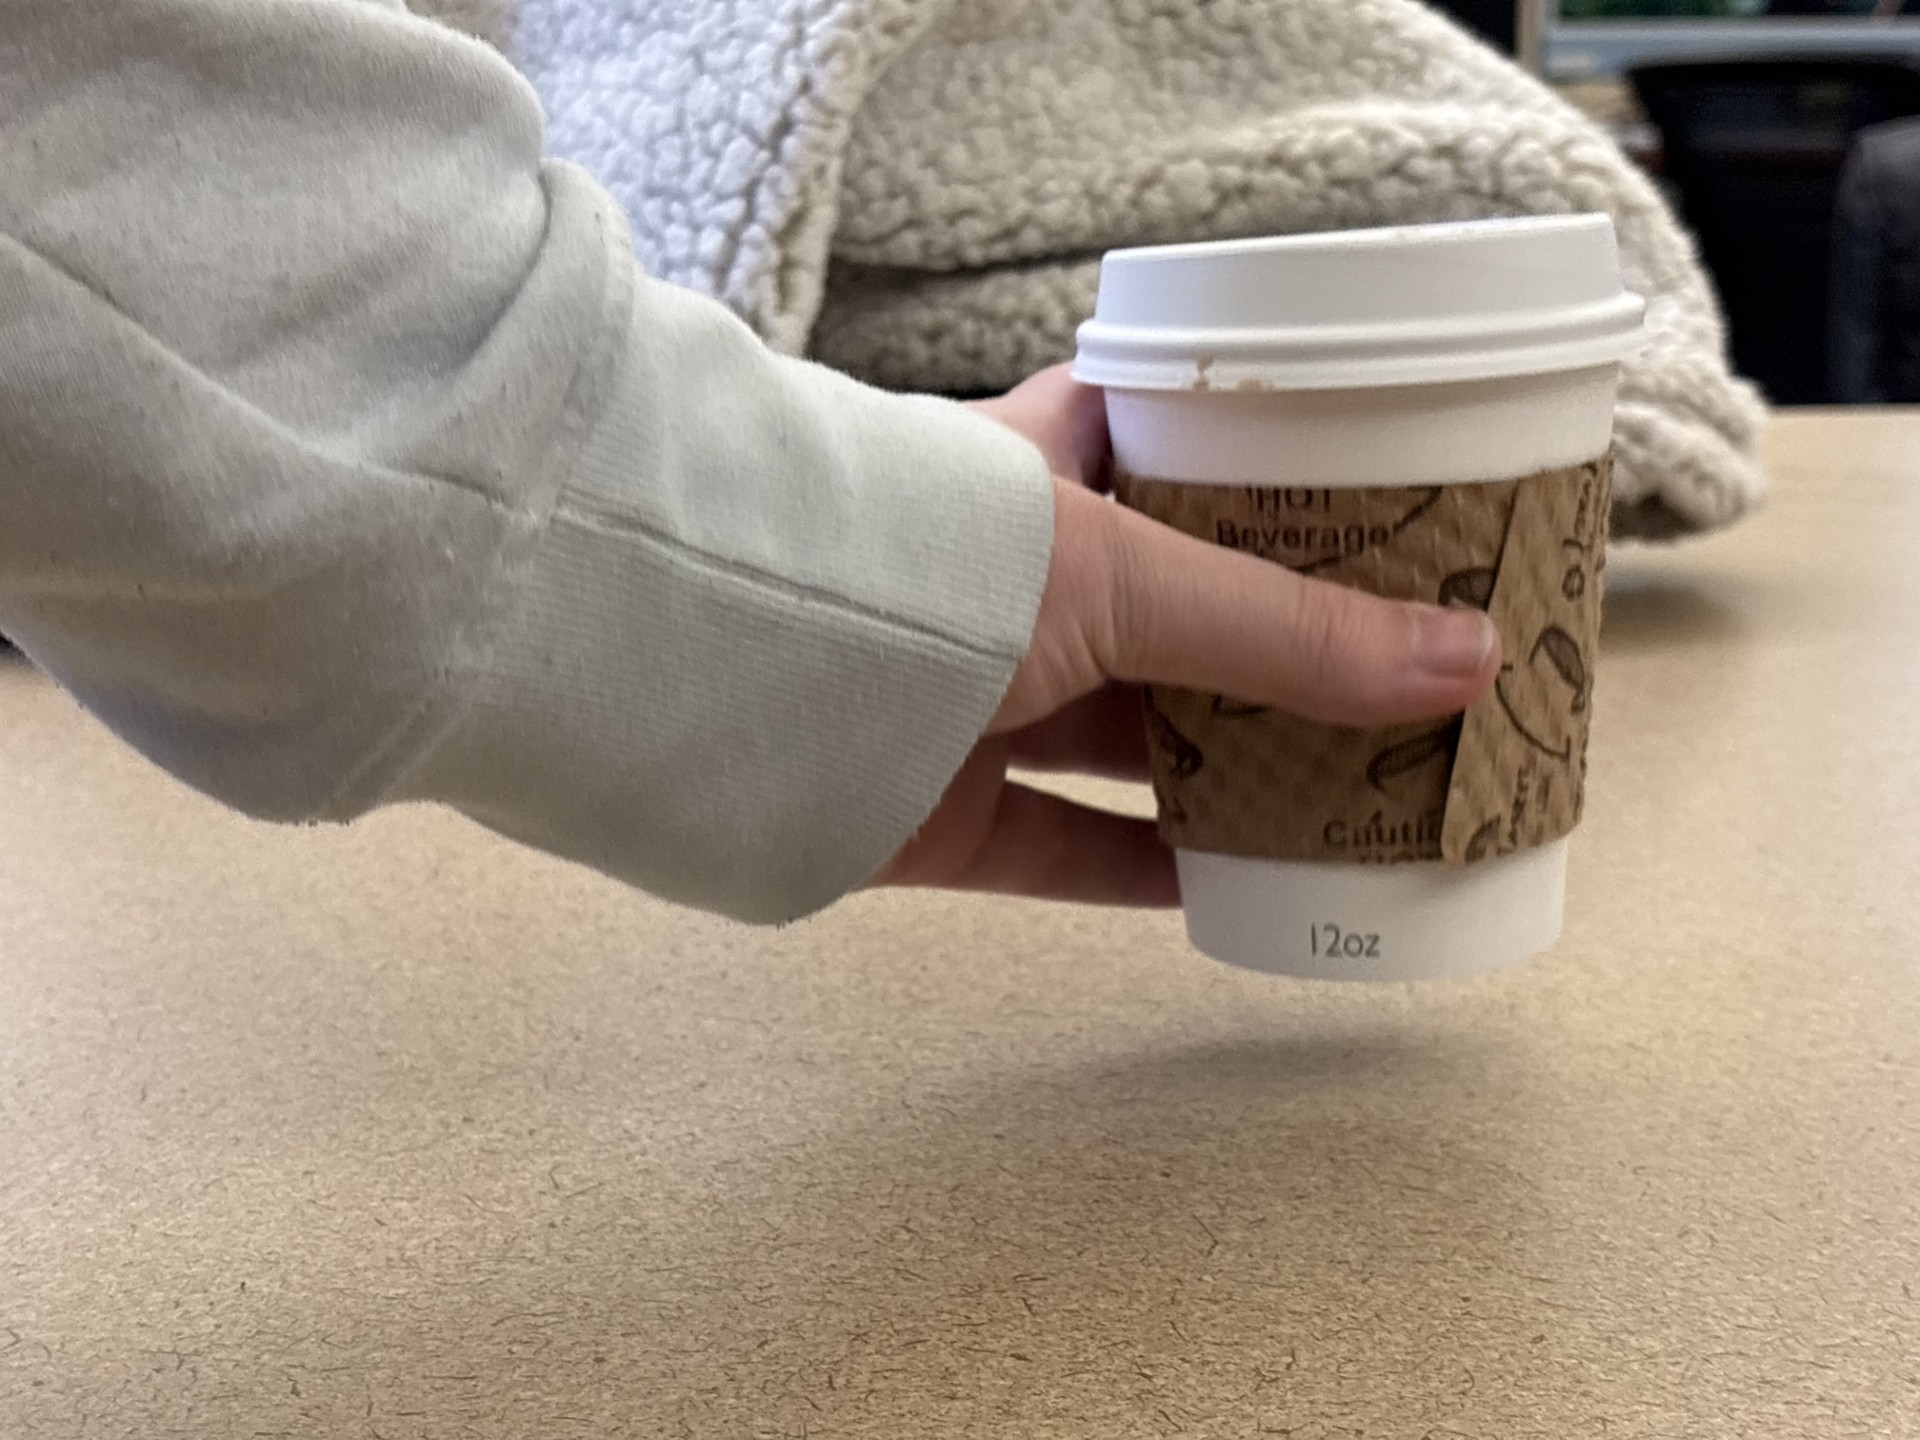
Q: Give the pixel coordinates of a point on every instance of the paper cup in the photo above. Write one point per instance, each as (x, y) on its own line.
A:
(1425, 412)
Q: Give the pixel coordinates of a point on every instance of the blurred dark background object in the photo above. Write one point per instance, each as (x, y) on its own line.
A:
(1874, 332)
(1496, 21)
(1754, 151)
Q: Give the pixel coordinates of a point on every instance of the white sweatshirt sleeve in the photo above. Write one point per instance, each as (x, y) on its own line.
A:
(345, 458)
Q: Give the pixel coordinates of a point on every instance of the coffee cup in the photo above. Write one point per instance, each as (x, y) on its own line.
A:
(1425, 412)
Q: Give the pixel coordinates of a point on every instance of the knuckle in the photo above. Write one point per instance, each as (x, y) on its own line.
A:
(1339, 638)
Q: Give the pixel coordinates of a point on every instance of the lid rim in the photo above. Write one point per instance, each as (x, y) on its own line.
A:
(1617, 315)
(1138, 357)
(1371, 374)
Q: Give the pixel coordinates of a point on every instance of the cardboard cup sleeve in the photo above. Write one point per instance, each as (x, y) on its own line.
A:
(1238, 779)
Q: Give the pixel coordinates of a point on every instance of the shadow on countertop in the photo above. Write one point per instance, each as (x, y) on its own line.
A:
(1661, 611)
(1257, 1229)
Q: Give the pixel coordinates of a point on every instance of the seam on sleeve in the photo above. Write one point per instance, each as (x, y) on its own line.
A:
(445, 705)
(776, 586)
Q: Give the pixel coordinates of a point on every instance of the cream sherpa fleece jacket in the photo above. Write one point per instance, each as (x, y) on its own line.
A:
(918, 191)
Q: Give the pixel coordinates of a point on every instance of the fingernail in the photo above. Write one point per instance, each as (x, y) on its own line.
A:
(1452, 643)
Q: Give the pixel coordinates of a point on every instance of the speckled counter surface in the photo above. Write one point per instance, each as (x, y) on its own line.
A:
(398, 1133)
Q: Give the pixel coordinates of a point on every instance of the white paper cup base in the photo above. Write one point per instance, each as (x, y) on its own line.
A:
(1379, 923)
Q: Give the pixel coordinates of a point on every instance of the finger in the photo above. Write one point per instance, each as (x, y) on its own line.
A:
(1067, 420)
(1051, 848)
(1099, 734)
(1184, 612)
(1048, 848)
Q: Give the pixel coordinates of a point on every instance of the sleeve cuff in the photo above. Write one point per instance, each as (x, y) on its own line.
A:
(771, 613)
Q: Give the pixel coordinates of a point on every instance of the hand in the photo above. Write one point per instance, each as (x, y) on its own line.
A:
(1129, 602)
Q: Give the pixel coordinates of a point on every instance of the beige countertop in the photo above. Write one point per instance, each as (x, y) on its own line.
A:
(397, 1133)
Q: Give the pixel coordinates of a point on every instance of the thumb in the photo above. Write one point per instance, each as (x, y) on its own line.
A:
(1133, 600)
(1066, 420)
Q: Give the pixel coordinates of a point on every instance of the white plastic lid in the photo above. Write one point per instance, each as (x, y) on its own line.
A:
(1412, 305)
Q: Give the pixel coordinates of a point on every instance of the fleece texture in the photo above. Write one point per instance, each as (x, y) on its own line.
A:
(919, 191)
